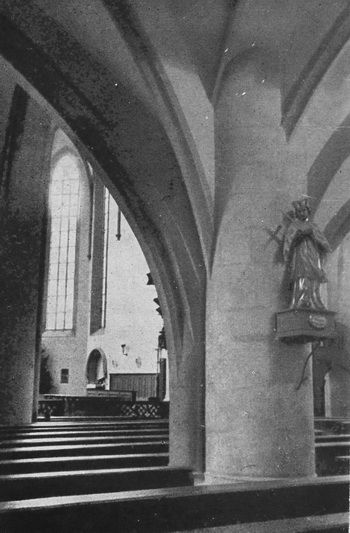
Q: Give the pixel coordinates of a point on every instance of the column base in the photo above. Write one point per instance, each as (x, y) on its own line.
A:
(228, 479)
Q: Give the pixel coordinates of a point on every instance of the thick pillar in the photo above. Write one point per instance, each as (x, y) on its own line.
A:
(259, 417)
(23, 201)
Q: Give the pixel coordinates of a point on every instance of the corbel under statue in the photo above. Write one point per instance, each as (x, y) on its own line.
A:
(304, 251)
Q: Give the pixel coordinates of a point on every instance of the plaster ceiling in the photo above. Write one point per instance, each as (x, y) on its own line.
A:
(200, 24)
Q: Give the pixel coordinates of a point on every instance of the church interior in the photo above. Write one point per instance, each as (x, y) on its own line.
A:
(175, 266)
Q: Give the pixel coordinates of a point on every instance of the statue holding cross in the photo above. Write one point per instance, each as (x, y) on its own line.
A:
(304, 251)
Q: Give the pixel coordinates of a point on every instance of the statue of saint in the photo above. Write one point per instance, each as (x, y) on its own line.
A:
(304, 250)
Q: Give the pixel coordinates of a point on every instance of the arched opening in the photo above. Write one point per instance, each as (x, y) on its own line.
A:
(96, 370)
(99, 293)
(126, 140)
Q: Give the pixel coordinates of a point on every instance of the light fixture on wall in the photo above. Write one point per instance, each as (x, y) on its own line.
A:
(124, 349)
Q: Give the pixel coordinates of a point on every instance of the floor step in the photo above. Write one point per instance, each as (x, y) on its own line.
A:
(330, 523)
(39, 485)
(82, 440)
(343, 464)
(87, 449)
(100, 419)
(83, 462)
(189, 509)
(93, 419)
(81, 426)
(333, 438)
(326, 458)
(333, 425)
(336, 447)
(79, 433)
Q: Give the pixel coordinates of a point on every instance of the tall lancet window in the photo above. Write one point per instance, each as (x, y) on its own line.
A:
(64, 215)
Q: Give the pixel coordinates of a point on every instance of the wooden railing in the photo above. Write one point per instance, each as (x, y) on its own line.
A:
(57, 405)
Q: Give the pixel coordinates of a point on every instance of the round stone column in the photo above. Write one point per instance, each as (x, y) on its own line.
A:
(259, 418)
(23, 205)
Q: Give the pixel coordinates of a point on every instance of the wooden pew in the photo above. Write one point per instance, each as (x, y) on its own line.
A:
(188, 508)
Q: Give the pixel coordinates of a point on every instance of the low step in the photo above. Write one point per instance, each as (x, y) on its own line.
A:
(83, 426)
(343, 464)
(335, 447)
(343, 458)
(88, 449)
(83, 462)
(79, 433)
(99, 418)
(82, 440)
(329, 523)
(188, 508)
(333, 438)
(333, 425)
(326, 458)
(46, 484)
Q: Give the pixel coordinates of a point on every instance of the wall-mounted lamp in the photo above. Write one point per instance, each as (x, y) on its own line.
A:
(124, 350)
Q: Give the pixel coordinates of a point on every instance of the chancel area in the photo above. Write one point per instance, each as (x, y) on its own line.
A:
(102, 328)
(175, 266)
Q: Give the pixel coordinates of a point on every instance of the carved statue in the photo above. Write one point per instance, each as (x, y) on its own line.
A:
(304, 250)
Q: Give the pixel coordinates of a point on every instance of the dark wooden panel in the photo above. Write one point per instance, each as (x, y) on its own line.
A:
(145, 385)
